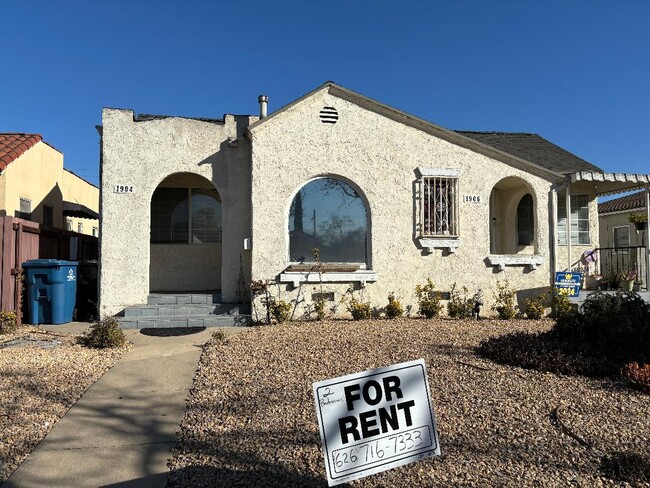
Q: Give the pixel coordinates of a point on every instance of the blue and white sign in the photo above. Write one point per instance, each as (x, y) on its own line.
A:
(568, 283)
(375, 420)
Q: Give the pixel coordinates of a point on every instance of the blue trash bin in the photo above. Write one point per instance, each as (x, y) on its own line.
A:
(51, 290)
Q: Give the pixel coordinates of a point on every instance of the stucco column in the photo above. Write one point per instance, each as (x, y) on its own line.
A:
(568, 226)
(647, 247)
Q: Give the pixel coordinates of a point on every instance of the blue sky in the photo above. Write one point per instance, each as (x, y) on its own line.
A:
(577, 73)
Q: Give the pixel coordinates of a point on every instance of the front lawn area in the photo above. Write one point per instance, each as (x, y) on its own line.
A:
(251, 420)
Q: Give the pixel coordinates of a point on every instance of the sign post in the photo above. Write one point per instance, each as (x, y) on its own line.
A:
(375, 420)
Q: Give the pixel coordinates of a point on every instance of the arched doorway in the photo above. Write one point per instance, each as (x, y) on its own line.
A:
(185, 235)
(513, 221)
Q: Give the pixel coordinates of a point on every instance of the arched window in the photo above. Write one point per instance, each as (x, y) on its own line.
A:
(525, 221)
(328, 214)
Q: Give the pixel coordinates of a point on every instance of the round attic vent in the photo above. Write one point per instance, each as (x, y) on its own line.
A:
(329, 115)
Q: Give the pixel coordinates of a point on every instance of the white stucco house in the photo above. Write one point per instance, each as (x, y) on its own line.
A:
(195, 206)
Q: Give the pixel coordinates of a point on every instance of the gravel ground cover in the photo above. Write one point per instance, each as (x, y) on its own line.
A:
(251, 420)
(39, 384)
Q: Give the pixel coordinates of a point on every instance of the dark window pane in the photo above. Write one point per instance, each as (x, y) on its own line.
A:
(525, 221)
(328, 214)
(48, 215)
(206, 216)
(169, 216)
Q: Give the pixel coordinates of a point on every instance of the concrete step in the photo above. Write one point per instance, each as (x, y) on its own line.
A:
(184, 298)
(184, 310)
(225, 320)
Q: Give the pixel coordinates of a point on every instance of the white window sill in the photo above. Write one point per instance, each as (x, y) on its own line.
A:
(428, 244)
(296, 277)
(503, 260)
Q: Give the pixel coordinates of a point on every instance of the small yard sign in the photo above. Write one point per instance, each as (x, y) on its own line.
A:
(568, 283)
(375, 420)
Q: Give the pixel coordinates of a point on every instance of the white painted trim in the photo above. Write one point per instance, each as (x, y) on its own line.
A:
(297, 277)
(445, 172)
(503, 260)
(429, 244)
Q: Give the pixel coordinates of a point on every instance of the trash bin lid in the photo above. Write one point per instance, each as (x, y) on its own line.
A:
(47, 263)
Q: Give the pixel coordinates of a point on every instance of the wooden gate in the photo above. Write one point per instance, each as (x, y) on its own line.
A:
(22, 240)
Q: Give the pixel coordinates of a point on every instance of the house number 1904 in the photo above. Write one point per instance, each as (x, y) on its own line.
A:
(123, 189)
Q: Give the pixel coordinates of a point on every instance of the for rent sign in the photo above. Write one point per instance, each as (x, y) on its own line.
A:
(375, 420)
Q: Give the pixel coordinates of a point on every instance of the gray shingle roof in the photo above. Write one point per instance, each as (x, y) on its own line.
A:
(534, 149)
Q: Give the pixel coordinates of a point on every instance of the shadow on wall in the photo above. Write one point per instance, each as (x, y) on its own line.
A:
(521, 295)
(54, 201)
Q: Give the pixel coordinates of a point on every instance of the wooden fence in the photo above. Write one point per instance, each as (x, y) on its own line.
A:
(22, 240)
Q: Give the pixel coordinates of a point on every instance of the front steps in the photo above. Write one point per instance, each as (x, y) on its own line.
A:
(185, 310)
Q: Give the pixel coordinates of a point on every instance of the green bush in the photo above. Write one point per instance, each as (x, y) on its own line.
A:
(560, 304)
(105, 333)
(8, 321)
(281, 311)
(617, 326)
(535, 307)
(460, 307)
(504, 301)
(394, 308)
(428, 300)
(359, 310)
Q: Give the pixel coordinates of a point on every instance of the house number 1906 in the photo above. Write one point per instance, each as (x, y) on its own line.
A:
(123, 189)
(471, 198)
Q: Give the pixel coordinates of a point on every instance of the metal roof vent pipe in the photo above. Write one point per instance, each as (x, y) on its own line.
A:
(263, 101)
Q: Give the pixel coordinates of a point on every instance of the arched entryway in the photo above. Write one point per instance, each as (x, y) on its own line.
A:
(185, 235)
(513, 221)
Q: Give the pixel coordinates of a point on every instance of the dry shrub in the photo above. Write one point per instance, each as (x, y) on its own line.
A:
(638, 375)
(105, 333)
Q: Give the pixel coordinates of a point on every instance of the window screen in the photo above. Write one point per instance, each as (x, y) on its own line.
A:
(525, 221)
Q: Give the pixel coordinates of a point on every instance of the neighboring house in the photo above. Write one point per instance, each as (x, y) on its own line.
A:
(35, 186)
(388, 199)
(622, 245)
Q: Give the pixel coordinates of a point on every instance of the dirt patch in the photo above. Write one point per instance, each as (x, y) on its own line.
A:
(251, 420)
(42, 374)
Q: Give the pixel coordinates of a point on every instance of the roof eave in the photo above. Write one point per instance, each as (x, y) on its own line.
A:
(610, 183)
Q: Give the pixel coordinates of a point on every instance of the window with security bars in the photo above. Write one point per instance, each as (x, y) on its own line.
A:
(185, 215)
(439, 206)
(579, 219)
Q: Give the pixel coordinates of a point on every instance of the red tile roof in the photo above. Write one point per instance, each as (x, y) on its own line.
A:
(632, 201)
(13, 145)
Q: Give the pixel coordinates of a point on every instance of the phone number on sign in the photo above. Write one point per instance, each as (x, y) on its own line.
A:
(381, 449)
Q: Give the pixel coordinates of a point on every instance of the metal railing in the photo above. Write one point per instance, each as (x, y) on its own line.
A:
(613, 262)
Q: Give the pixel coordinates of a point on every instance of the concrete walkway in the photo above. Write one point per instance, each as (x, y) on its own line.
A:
(120, 432)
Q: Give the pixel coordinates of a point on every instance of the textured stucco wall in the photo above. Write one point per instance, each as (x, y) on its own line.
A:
(185, 267)
(38, 175)
(620, 219)
(143, 154)
(380, 156)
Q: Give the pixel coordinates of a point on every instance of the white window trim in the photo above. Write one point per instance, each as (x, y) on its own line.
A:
(532, 261)
(361, 276)
(430, 243)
